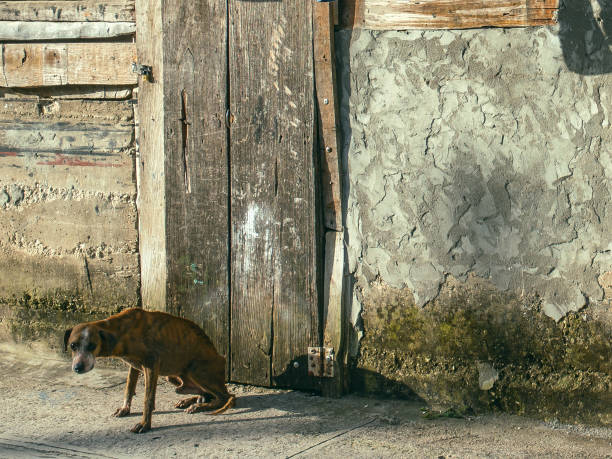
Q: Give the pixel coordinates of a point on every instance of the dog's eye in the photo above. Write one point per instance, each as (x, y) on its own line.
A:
(91, 347)
(73, 346)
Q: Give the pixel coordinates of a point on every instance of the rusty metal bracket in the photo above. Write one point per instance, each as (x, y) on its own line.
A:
(321, 362)
(145, 70)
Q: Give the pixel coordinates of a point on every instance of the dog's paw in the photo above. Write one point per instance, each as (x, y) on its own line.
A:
(123, 411)
(186, 402)
(141, 428)
(197, 407)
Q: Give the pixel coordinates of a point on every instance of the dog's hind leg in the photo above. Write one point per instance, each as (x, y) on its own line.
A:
(211, 382)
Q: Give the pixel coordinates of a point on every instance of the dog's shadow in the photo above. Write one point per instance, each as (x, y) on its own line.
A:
(246, 404)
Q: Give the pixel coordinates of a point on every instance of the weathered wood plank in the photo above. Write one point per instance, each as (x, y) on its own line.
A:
(58, 64)
(68, 226)
(67, 138)
(150, 164)
(195, 80)
(23, 132)
(68, 92)
(31, 31)
(447, 14)
(325, 75)
(68, 11)
(274, 316)
(333, 289)
(87, 145)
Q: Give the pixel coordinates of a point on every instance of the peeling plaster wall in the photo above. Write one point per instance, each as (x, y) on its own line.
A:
(479, 154)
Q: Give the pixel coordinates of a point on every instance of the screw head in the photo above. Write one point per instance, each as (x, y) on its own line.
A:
(326, 101)
(328, 149)
(296, 365)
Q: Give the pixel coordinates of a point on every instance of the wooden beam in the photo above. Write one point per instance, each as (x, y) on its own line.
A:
(447, 14)
(150, 161)
(59, 64)
(30, 31)
(68, 92)
(329, 148)
(275, 307)
(68, 11)
(325, 77)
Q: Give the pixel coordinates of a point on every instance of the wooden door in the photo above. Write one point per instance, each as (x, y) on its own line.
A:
(274, 313)
(232, 193)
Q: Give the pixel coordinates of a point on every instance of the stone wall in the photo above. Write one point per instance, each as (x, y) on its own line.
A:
(478, 214)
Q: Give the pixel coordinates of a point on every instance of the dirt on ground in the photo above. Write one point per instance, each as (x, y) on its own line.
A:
(48, 411)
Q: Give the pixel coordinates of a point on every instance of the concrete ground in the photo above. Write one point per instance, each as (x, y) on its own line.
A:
(48, 411)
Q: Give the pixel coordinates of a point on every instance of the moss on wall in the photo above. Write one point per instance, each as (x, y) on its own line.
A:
(552, 370)
(43, 317)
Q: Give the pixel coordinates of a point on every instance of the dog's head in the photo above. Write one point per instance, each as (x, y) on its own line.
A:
(87, 341)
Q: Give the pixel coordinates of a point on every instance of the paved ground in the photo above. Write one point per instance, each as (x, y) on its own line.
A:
(48, 411)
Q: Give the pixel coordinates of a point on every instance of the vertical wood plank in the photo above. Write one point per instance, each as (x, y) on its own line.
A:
(325, 76)
(151, 170)
(195, 79)
(274, 299)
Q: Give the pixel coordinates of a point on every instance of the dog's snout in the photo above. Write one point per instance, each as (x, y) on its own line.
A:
(78, 367)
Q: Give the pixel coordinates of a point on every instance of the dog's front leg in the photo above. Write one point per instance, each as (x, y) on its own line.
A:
(150, 375)
(130, 390)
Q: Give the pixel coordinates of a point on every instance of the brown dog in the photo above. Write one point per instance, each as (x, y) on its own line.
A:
(156, 344)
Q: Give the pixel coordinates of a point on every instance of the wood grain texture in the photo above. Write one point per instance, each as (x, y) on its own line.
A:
(325, 75)
(68, 11)
(150, 164)
(58, 64)
(78, 92)
(274, 316)
(31, 31)
(87, 145)
(447, 14)
(195, 79)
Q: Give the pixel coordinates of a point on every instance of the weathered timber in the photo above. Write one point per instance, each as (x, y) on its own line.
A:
(68, 92)
(68, 11)
(196, 188)
(447, 14)
(58, 64)
(32, 31)
(66, 226)
(150, 164)
(274, 315)
(325, 74)
(65, 138)
(85, 145)
(325, 77)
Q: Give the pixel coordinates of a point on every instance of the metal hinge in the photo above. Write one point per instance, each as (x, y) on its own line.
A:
(321, 362)
(145, 70)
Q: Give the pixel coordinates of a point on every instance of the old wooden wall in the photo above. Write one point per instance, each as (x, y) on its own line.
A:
(446, 14)
(68, 220)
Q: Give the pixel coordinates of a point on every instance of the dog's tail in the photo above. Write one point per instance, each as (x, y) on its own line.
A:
(231, 401)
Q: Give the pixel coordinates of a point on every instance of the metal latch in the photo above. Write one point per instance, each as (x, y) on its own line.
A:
(321, 362)
(145, 70)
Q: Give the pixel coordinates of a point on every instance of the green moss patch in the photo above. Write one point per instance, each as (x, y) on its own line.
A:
(551, 370)
(44, 317)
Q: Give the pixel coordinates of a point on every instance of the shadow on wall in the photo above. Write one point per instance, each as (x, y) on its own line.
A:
(585, 29)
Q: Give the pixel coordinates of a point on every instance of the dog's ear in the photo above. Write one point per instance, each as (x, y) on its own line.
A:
(66, 336)
(108, 341)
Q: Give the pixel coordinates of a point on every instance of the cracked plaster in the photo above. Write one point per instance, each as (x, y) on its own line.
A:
(479, 153)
